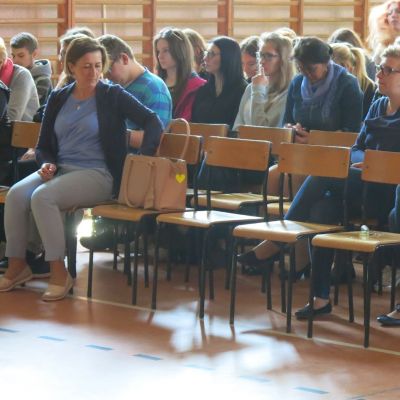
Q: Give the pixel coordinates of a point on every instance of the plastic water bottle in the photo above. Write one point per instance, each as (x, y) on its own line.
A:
(364, 232)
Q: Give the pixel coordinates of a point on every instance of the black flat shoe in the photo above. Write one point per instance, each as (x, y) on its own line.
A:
(304, 312)
(385, 320)
(253, 265)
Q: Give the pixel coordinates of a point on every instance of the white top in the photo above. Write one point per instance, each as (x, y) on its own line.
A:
(252, 108)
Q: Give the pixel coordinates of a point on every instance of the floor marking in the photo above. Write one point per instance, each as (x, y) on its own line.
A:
(55, 339)
(272, 332)
(95, 346)
(311, 390)
(199, 367)
(8, 330)
(255, 378)
(367, 395)
(148, 357)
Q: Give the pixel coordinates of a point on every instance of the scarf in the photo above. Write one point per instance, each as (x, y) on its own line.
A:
(6, 72)
(322, 93)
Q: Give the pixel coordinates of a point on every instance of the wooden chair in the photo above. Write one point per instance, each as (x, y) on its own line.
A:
(236, 202)
(332, 138)
(226, 153)
(379, 167)
(138, 218)
(306, 160)
(199, 129)
(24, 135)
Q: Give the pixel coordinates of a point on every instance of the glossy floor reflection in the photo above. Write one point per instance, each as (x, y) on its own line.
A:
(105, 348)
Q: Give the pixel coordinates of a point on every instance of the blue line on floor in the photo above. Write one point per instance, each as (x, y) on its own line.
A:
(8, 330)
(311, 390)
(55, 339)
(255, 378)
(148, 357)
(94, 346)
(199, 367)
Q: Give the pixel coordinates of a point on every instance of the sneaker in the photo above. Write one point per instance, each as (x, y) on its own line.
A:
(387, 279)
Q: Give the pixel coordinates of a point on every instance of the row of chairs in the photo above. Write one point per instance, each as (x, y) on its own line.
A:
(261, 143)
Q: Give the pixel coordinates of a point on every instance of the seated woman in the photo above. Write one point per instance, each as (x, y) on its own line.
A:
(82, 144)
(199, 46)
(393, 318)
(217, 102)
(384, 27)
(174, 56)
(324, 95)
(263, 102)
(345, 35)
(249, 48)
(319, 199)
(353, 59)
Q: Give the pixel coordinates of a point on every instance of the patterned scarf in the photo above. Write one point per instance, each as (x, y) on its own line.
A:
(323, 92)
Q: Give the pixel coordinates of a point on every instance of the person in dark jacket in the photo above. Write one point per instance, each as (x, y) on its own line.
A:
(81, 150)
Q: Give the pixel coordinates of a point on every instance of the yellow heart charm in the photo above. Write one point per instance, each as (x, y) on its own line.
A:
(180, 177)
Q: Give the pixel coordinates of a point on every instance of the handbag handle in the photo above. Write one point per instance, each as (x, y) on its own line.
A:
(187, 134)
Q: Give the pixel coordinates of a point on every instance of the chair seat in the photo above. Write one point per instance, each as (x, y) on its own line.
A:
(233, 201)
(273, 208)
(190, 192)
(3, 195)
(122, 212)
(352, 240)
(204, 218)
(282, 231)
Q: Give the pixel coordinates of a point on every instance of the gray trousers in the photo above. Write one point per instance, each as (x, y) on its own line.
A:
(42, 203)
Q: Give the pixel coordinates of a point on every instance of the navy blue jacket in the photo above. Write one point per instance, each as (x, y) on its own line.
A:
(114, 106)
(345, 114)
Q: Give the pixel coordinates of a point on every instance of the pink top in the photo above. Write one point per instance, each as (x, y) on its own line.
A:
(183, 108)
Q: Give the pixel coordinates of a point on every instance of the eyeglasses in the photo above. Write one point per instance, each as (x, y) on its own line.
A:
(266, 56)
(210, 54)
(306, 69)
(386, 70)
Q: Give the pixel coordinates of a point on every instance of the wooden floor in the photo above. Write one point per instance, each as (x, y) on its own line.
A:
(106, 349)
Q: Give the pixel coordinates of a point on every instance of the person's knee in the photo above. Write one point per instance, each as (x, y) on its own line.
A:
(17, 196)
(40, 197)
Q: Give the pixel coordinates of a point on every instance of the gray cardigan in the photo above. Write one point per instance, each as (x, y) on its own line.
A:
(252, 108)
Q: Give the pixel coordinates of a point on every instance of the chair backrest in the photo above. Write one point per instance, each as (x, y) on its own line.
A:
(303, 159)
(381, 167)
(25, 134)
(238, 153)
(204, 130)
(332, 138)
(274, 135)
(172, 144)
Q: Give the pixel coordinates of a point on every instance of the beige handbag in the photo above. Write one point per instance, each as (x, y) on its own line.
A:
(155, 183)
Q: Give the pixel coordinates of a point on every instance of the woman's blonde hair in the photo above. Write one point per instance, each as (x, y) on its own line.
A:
(381, 34)
(283, 46)
(346, 54)
(3, 50)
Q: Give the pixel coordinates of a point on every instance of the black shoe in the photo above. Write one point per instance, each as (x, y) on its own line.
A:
(102, 237)
(253, 265)
(3, 265)
(304, 312)
(385, 320)
(40, 268)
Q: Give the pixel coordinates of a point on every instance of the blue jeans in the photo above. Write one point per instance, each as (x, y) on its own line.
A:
(320, 200)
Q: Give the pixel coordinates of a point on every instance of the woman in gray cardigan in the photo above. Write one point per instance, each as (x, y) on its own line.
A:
(81, 151)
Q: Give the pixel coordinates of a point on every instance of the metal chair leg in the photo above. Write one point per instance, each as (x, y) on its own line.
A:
(155, 273)
(291, 277)
(233, 282)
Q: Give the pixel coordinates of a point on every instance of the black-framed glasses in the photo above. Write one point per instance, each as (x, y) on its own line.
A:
(385, 70)
(266, 56)
(210, 54)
